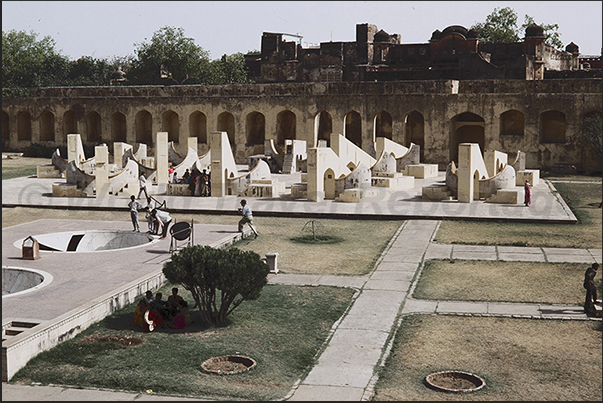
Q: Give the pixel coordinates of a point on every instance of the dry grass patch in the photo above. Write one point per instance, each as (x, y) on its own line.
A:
(534, 282)
(520, 359)
(361, 245)
(582, 198)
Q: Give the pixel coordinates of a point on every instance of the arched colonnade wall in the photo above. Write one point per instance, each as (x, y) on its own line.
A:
(541, 118)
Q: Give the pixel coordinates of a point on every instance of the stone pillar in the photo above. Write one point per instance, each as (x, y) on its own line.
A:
(161, 161)
(218, 180)
(119, 149)
(315, 178)
(465, 172)
(101, 170)
(192, 143)
(75, 149)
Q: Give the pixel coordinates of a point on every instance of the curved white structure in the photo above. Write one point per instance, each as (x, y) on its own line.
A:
(89, 241)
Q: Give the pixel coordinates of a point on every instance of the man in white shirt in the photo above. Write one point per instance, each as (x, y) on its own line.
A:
(247, 217)
(164, 219)
(134, 207)
(142, 181)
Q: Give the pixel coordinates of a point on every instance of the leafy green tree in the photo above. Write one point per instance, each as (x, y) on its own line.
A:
(89, 71)
(28, 62)
(169, 58)
(218, 279)
(501, 26)
(229, 70)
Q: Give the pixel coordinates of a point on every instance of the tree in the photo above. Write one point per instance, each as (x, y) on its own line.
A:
(89, 71)
(229, 70)
(591, 134)
(169, 58)
(501, 26)
(28, 62)
(218, 279)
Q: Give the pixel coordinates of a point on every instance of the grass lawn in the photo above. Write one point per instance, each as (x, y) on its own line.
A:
(468, 280)
(282, 330)
(583, 199)
(520, 359)
(15, 167)
(361, 243)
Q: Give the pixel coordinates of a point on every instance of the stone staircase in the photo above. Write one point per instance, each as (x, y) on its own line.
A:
(288, 164)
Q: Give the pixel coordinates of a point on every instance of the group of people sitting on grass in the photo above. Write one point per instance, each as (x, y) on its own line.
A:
(152, 312)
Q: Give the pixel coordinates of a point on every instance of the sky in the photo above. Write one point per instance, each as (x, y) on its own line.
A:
(104, 29)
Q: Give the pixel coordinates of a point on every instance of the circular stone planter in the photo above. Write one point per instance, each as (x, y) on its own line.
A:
(228, 364)
(455, 381)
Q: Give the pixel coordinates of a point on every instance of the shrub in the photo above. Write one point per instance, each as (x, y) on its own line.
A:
(37, 150)
(218, 279)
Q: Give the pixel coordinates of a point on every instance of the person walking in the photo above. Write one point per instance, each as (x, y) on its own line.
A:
(134, 207)
(527, 193)
(245, 211)
(142, 182)
(591, 289)
(164, 219)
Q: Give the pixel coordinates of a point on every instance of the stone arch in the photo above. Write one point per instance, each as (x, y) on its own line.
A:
(5, 130)
(286, 127)
(414, 124)
(323, 127)
(226, 123)
(47, 126)
(197, 127)
(170, 123)
(118, 127)
(24, 126)
(466, 127)
(512, 123)
(255, 129)
(353, 128)
(94, 127)
(70, 123)
(143, 126)
(552, 127)
(383, 125)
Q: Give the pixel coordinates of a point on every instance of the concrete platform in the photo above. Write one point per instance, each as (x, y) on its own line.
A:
(547, 205)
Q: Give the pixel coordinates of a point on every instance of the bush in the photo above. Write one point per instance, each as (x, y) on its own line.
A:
(37, 150)
(218, 279)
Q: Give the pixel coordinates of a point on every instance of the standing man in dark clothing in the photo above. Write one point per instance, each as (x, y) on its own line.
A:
(591, 289)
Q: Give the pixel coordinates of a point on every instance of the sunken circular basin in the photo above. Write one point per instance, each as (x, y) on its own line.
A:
(228, 364)
(89, 241)
(19, 280)
(455, 381)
